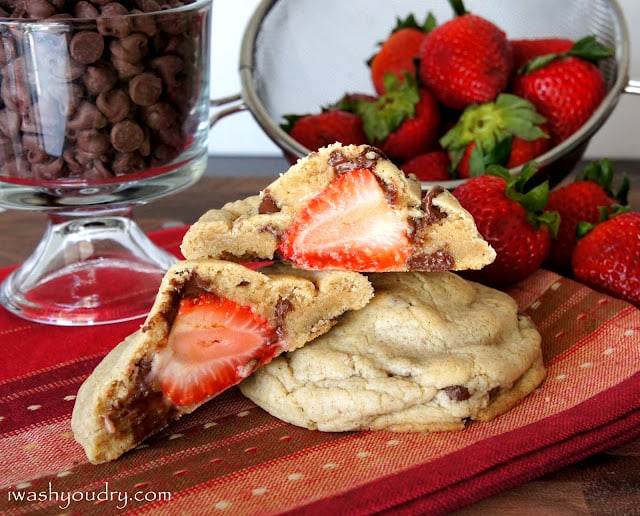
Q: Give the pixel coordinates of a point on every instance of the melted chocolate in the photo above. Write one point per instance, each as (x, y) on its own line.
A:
(143, 411)
(283, 307)
(368, 159)
(457, 392)
(432, 213)
(441, 260)
(268, 205)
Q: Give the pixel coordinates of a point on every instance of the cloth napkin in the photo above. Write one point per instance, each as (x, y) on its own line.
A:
(231, 455)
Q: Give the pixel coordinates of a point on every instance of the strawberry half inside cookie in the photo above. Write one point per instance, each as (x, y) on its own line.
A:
(350, 224)
(214, 343)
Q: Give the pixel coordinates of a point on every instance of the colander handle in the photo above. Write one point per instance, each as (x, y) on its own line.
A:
(633, 86)
(235, 105)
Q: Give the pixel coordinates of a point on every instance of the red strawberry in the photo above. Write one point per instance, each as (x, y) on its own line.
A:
(404, 122)
(430, 166)
(485, 134)
(566, 88)
(322, 129)
(524, 50)
(524, 151)
(465, 60)
(396, 56)
(513, 222)
(581, 201)
(214, 343)
(349, 225)
(608, 257)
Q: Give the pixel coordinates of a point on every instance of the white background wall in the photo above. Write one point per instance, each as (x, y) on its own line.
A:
(239, 134)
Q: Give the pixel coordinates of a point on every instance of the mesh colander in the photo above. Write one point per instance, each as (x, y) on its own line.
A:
(299, 55)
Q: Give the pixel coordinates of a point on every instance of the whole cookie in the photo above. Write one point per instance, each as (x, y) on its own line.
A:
(429, 351)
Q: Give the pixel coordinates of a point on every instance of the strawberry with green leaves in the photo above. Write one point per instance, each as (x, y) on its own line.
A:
(467, 60)
(607, 257)
(322, 129)
(214, 343)
(581, 201)
(512, 220)
(398, 53)
(404, 122)
(487, 133)
(565, 87)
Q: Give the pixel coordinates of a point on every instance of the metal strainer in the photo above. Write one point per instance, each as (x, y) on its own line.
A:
(299, 55)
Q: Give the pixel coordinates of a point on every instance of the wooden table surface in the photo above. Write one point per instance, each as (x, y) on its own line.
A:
(606, 483)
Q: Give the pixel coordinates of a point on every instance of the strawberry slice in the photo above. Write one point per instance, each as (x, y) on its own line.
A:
(349, 225)
(214, 343)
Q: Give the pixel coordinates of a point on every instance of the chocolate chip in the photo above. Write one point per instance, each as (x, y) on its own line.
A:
(39, 9)
(160, 116)
(87, 116)
(86, 46)
(114, 104)
(93, 142)
(85, 10)
(128, 163)
(132, 48)
(457, 392)
(145, 89)
(52, 169)
(169, 68)
(126, 136)
(99, 77)
(112, 21)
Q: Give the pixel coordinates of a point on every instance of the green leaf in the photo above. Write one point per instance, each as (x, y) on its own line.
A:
(476, 161)
(589, 48)
(290, 121)
(586, 48)
(383, 116)
(499, 154)
(498, 171)
(410, 22)
(551, 219)
(458, 7)
(491, 123)
(583, 228)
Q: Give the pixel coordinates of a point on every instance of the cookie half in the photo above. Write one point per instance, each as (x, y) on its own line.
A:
(348, 208)
(429, 352)
(212, 324)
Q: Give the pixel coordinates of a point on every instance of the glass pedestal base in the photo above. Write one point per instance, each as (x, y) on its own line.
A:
(87, 270)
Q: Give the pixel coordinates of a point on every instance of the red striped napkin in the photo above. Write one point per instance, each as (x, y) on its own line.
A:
(232, 455)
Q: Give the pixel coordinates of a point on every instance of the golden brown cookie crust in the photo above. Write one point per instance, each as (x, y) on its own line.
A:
(100, 419)
(250, 229)
(428, 352)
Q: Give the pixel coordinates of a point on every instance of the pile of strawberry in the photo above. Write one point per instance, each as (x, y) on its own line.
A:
(581, 228)
(454, 98)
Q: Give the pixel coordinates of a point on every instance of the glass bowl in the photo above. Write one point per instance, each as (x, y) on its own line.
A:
(101, 109)
(300, 55)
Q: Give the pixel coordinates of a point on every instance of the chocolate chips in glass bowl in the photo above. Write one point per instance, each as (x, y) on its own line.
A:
(91, 90)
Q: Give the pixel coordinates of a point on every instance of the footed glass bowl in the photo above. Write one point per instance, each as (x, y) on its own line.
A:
(102, 108)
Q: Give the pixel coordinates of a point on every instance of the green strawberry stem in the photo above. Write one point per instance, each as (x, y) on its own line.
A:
(601, 172)
(458, 7)
(606, 213)
(410, 22)
(383, 116)
(491, 126)
(587, 48)
(533, 200)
